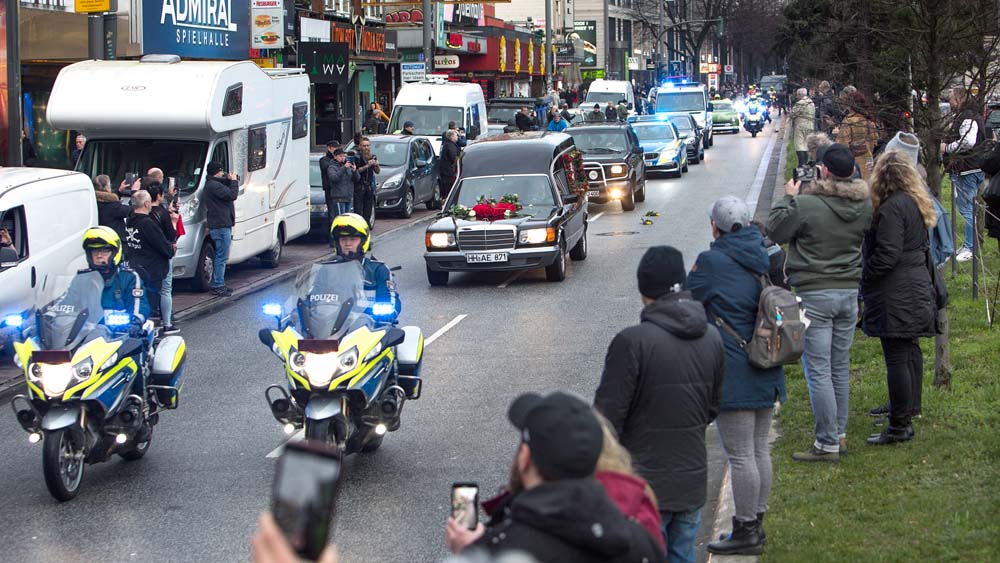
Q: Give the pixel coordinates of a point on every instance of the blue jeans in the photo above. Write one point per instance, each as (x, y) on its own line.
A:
(222, 238)
(833, 316)
(680, 531)
(966, 190)
(167, 296)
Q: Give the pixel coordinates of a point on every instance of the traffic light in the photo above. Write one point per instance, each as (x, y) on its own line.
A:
(721, 30)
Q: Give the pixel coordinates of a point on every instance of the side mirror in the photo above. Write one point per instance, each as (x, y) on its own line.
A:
(8, 258)
(571, 198)
(420, 163)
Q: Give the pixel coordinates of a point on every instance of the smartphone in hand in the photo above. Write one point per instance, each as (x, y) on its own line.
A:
(304, 496)
(130, 179)
(465, 504)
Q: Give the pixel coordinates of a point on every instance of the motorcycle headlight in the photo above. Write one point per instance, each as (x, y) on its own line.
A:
(537, 236)
(55, 378)
(188, 208)
(319, 368)
(349, 360)
(393, 182)
(297, 362)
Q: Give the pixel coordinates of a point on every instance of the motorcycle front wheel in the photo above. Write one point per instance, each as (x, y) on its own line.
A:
(62, 463)
(318, 430)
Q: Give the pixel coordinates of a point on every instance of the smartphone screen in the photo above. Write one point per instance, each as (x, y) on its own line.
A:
(130, 179)
(171, 183)
(465, 504)
(304, 495)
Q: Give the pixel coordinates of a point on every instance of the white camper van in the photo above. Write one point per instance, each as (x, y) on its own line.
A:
(45, 213)
(603, 91)
(430, 105)
(179, 116)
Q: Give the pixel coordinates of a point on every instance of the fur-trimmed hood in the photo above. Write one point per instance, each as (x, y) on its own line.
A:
(856, 189)
(106, 197)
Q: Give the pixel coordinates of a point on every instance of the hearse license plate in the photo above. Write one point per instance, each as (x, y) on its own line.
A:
(486, 257)
(593, 193)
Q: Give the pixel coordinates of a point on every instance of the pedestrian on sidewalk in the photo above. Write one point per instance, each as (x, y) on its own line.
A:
(164, 217)
(962, 153)
(341, 175)
(898, 291)
(727, 279)
(111, 212)
(448, 163)
(149, 249)
(221, 191)
(803, 124)
(558, 512)
(660, 389)
(367, 166)
(824, 226)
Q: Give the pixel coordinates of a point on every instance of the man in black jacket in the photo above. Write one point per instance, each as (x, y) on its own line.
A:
(661, 387)
(149, 250)
(523, 121)
(449, 162)
(559, 512)
(221, 191)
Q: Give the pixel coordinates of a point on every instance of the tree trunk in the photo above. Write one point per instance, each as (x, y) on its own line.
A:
(942, 352)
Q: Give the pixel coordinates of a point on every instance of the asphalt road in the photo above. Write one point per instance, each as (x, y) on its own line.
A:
(197, 493)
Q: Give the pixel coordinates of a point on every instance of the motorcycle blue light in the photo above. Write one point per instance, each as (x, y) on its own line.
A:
(383, 309)
(116, 319)
(13, 321)
(272, 309)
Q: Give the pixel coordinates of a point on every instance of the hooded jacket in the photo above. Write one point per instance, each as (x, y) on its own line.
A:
(726, 280)
(220, 209)
(823, 226)
(448, 163)
(568, 521)
(111, 212)
(628, 492)
(660, 388)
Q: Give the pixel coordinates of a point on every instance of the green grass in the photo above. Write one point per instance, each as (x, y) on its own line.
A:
(932, 499)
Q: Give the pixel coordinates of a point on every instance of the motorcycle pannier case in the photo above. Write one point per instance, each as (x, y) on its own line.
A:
(168, 370)
(410, 355)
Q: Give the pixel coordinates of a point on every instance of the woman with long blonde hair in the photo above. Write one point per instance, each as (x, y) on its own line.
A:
(896, 284)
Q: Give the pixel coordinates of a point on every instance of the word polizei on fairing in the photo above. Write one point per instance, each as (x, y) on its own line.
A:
(215, 15)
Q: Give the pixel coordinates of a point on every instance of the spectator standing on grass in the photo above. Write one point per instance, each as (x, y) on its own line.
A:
(859, 133)
(826, 108)
(558, 512)
(962, 153)
(727, 279)
(660, 389)
(898, 292)
(824, 226)
(803, 124)
(221, 191)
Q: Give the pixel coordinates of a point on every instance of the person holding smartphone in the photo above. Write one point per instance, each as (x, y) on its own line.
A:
(221, 191)
(558, 511)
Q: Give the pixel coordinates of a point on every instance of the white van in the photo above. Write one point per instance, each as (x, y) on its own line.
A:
(431, 104)
(603, 91)
(688, 98)
(179, 116)
(46, 213)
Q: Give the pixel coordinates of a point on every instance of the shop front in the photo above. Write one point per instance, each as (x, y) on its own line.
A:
(511, 64)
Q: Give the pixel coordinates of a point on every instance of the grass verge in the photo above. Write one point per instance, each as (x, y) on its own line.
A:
(932, 499)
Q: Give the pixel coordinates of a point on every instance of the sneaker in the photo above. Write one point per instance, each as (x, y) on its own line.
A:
(222, 291)
(881, 410)
(814, 454)
(172, 329)
(843, 446)
(964, 255)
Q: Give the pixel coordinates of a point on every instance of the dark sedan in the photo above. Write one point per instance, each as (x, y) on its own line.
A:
(408, 175)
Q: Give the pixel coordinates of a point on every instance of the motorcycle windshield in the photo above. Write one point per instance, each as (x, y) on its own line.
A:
(69, 309)
(329, 297)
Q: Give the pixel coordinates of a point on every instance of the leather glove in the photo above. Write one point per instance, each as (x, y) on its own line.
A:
(135, 330)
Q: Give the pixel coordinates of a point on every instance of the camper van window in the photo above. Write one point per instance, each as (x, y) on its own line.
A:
(604, 98)
(233, 104)
(427, 120)
(13, 227)
(300, 120)
(182, 160)
(257, 155)
(220, 154)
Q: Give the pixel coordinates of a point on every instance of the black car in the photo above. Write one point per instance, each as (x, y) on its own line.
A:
(692, 134)
(550, 225)
(612, 157)
(409, 173)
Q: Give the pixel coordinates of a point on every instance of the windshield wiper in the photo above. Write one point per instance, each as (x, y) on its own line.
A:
(604, 150)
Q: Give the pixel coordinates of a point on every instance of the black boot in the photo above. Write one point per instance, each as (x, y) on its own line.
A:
(899, 430)
(760, 528)
(745, 540)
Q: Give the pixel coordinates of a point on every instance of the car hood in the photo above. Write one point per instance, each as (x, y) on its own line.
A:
(609, 157)
(388, 172)
(724, 115)
(448, 223)
(659, 146)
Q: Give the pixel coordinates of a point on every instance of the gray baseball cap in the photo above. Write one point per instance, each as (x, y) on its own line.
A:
(729, 211)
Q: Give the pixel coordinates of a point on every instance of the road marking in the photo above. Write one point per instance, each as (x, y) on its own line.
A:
(444, 329)
(596, 217)
(301, 433)
(758, 182)
(511, 279)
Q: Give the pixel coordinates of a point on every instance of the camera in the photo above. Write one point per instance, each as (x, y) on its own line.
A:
(804, 174)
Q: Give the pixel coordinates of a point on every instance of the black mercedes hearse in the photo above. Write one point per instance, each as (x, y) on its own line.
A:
(532, 171)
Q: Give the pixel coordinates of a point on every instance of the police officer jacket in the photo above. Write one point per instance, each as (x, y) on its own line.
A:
(124, 291)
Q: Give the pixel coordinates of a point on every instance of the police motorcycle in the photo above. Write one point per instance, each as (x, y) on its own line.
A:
(96, 380)
(349, 368)
(753, 120)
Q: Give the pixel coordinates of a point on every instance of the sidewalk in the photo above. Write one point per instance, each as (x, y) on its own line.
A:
(245, 278)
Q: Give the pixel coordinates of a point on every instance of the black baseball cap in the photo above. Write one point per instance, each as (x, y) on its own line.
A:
(562, 433)
(339, 152)
(214, 168)
(838, 159)
(332, 143)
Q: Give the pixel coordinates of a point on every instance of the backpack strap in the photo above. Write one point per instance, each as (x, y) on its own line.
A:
(723, 325)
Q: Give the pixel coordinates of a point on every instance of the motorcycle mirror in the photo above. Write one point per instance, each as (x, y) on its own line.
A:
(394, 337)
(266, 338)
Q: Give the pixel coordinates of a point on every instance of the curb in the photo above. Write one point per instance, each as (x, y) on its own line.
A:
(777, 167)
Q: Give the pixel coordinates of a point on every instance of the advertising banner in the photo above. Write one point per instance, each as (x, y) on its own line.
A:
(267, 22)
(325, 63)
(216, 30)
(586, 30)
